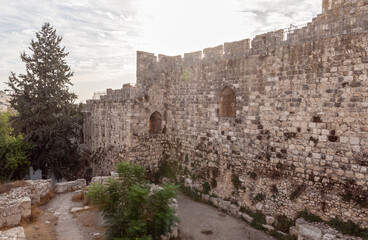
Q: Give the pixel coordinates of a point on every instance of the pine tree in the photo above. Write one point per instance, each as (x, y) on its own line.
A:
(48, 116)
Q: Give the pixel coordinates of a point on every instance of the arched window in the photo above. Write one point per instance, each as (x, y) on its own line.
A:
(155, 123)
(227, 103)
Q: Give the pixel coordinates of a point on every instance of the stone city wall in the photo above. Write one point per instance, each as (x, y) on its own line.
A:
(283, 116)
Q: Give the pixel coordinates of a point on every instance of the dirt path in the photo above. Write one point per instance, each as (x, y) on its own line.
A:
(199, 221)
(56, 222)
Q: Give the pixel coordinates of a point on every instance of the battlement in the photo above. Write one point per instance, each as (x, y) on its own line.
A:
(333, 21)
(339, 17)
(329, 5)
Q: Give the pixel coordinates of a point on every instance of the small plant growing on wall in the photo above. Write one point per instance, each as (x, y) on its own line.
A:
(236, 181)
(297, 192)
(213, 183)
(206, 188)
(259, 197)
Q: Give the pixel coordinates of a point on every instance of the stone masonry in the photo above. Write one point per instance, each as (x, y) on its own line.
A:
(278, 124)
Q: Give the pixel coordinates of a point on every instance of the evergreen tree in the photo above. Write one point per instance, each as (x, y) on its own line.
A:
(47, 114)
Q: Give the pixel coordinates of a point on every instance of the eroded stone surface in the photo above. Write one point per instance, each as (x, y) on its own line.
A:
(13, 234)
(300, 122)
(70, 186)
(16, 204)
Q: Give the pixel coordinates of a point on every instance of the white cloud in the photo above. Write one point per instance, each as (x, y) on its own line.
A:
(103, 36)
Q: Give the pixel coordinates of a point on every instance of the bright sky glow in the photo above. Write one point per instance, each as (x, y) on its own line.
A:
(102, 36)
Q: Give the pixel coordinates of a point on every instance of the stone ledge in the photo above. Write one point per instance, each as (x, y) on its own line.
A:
(13, 234)
(70, 186)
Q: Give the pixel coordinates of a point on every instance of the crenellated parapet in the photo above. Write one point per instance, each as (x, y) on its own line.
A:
(330, 5)
(146, 63)
(338, 17)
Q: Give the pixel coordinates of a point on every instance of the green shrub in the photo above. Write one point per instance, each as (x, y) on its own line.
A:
(130, 209)
(14, 151)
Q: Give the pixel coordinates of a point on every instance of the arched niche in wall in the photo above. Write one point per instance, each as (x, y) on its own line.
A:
(227, 103)
(155, 123)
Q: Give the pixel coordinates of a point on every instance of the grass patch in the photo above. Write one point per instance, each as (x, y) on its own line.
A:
(348, 228)
(35, 213)
(79, 197)
(309, 217)
(45, 199)
(194, 194)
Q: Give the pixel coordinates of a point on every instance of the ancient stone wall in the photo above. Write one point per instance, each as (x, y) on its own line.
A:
(299, 133)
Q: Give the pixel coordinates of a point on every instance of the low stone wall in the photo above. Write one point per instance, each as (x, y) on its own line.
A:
(70, 186)
(317, 231)
(13, 234)
(16, 204)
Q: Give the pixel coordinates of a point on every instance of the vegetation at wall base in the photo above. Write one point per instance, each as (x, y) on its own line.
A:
(131, 208)
(47, 115)
(14, 151)
(348, 228)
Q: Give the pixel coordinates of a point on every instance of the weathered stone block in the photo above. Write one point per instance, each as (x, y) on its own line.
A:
(13, 234)
(310, 232)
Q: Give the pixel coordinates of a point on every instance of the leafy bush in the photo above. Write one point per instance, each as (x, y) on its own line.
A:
(14, 151)
(132, 209)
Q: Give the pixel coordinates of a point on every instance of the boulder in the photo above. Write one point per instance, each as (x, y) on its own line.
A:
(247, 217)
(233, 209)
(270, 220)
(329, 237)
(310, 232)
(223, 204)
(25, 204)
(268, 227)
(259, 206)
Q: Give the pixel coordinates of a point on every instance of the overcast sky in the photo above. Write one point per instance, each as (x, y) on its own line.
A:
(102, 36)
